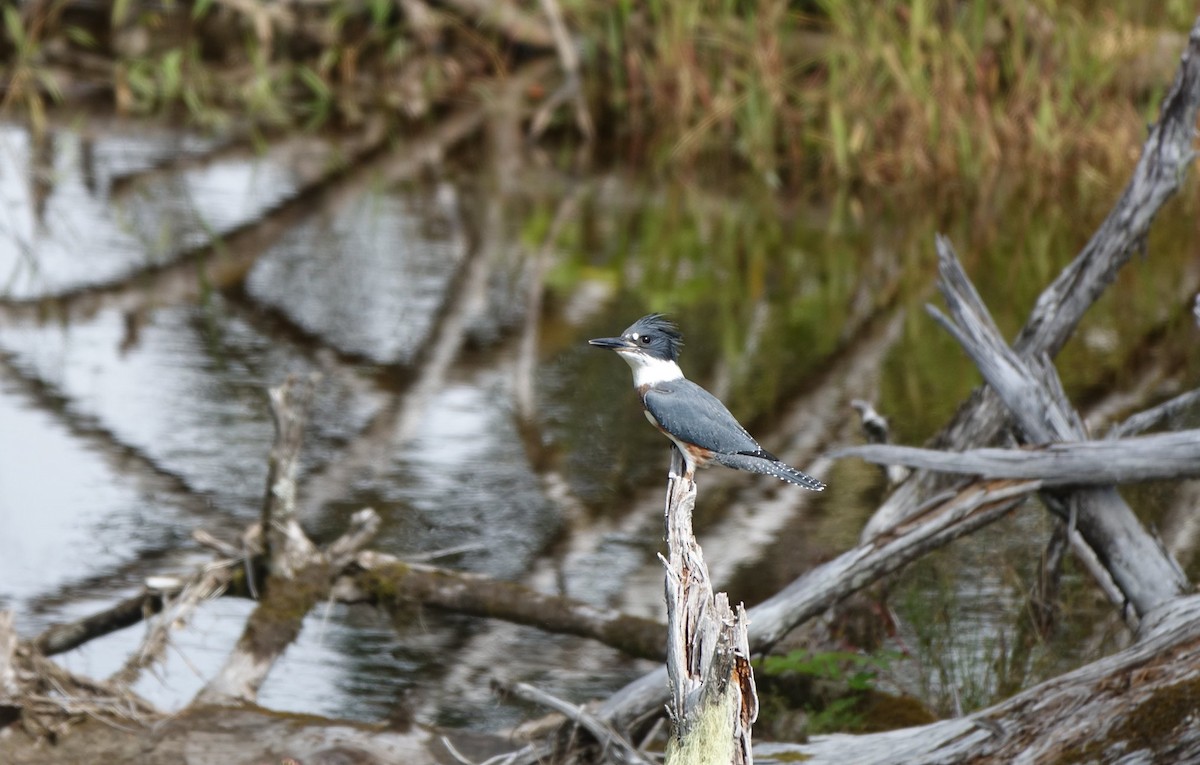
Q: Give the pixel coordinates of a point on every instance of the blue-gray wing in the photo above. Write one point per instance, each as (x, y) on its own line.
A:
(695, 416)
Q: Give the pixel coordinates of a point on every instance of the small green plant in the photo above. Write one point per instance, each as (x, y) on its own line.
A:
(858, 671)
(835, 682)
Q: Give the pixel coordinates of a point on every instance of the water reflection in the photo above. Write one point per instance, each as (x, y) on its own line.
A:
(370, 278)
(446, 317)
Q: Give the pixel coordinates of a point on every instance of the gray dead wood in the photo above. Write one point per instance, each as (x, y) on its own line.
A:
(1136, 706)
(46, 698)
(1157, 415)
(713, 700)
(205, 583)
(1140, 567)
(932, 526)
(288, 547)
(298, 574)
(616, 748)
(8, 668)
(1158, 457)
(1166, 157)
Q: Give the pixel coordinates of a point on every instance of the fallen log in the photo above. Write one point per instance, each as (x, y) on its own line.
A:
(1138, 705)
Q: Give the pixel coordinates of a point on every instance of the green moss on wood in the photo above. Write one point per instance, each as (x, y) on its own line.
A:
(400, 588)
(277, 620)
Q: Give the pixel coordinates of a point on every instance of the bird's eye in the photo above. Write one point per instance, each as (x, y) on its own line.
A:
(645, 340)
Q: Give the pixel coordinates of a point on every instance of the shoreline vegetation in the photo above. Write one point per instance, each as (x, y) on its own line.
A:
(934, 93)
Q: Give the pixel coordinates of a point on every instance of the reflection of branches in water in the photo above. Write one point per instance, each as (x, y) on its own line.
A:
(177, 283)
(229, 147)
(123, 459)
(464, 298)
(220, 262)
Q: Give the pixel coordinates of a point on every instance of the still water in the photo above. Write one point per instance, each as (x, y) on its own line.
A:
(446, 312)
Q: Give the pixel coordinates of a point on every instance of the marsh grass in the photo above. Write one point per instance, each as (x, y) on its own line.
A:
(887, 91)
(800, 95)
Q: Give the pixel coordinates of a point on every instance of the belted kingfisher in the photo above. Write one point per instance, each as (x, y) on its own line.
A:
(699, 425)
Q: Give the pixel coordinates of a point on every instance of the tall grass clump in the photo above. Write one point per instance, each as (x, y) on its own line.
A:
(883, 92)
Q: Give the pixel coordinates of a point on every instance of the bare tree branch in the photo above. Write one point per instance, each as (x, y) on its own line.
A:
(1166, 157)
(1140, 567)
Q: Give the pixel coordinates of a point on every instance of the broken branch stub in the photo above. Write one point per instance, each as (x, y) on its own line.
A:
(298, 575)
(288, 547)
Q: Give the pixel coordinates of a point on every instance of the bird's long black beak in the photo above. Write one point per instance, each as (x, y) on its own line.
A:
(610, 342)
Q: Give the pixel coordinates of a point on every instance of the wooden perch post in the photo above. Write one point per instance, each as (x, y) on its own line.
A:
(713, 699)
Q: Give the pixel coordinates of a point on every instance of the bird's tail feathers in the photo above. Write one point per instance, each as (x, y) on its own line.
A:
(768, 466)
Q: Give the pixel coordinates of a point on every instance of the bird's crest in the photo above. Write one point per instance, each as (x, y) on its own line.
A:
(665, 336)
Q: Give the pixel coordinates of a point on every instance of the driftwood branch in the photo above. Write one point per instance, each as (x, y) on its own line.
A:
(204, 584)
(1140, 567)
(713, 699)
(1155, 416)
(616, 748)
(1127, 460)
(288, 548)
(1166, 157)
